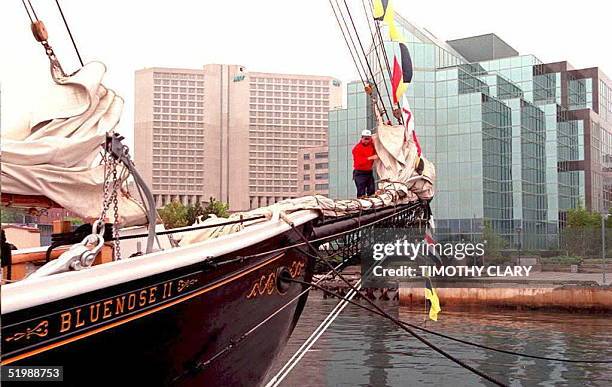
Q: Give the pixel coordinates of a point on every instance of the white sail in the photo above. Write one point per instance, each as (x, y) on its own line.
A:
(54, 155)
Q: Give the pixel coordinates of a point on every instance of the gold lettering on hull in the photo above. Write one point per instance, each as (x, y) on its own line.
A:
(267, 282)
(100, 311)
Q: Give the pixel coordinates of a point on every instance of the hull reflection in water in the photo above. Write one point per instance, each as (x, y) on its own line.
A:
(361, 349)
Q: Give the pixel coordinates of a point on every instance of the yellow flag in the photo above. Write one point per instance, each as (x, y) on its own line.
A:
(401, 89)
(432, 296)
(389, 20)
(379, 9)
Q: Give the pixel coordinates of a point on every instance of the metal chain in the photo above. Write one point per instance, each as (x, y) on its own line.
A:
(116, 187)
(110, 196)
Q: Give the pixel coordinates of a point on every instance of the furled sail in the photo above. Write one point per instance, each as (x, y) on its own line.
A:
(56, 153)
(404, 177)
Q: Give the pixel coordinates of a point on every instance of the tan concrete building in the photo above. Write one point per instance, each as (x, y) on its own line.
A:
(227, 133)
(313, 171)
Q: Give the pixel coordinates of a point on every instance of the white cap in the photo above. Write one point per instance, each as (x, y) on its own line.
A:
(366, 133)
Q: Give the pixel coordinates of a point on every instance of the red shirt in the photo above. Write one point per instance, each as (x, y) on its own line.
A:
(360, 156)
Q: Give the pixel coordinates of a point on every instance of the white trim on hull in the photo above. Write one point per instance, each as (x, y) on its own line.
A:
(27, 294)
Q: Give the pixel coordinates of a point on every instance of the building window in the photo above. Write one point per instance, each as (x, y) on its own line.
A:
(320, 166)
(306, 187)
(306, 177)
(306, 156)
(307, 167)
(320, 187)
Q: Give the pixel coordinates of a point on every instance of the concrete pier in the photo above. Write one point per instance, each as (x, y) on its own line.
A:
(561, 291)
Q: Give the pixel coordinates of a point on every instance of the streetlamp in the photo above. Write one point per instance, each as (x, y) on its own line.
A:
(520, 243)
(604, 217)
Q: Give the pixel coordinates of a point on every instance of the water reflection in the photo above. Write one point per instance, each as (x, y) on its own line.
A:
(361, 349)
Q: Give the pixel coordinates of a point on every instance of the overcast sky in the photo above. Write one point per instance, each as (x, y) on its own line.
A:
(293, 36)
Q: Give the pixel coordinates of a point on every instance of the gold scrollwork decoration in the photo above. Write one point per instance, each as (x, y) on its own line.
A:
(266, 284)
(184, 284)
(40, 330)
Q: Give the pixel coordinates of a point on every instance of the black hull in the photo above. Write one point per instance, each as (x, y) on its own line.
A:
(184, 327)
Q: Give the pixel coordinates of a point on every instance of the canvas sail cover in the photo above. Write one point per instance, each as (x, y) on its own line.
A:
(56, 153)
(400, 181)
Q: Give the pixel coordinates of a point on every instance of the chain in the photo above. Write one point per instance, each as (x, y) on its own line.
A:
(116, 187)
(110, 196)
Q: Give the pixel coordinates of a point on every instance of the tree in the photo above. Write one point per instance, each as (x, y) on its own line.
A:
(174, 214)
(582, 235)
(217, 208)
(10, 215)
(195, 211)
(494, 243)
(74, 220)
(579, 217)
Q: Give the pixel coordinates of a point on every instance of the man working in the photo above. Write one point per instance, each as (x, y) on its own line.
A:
(364, 155)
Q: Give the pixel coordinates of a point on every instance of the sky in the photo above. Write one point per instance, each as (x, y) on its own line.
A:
(291, 36)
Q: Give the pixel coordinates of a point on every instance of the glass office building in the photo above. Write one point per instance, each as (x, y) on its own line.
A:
(516, 142)
(345, 126)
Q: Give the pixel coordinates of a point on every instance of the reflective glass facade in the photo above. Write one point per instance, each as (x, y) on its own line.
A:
(345, 126)
(508, 145)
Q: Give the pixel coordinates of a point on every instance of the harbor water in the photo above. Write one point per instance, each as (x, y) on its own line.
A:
(362, 349)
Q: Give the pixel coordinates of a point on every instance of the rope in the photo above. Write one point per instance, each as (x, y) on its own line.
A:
(381, 41)
(359, 65)
(358, 62)
(348, 11)
(33, 10)
(452, 338)
(316, 334)
(28, 11)
(396, 321)
(69, 32)
(312, 339)
(234, 343)
(374, 47)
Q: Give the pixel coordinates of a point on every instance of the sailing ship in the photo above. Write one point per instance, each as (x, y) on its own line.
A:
(121, 298)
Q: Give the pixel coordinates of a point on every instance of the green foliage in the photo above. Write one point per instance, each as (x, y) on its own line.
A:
(494, 242)
(194, 211)
(580, 217)
(10, 215)
(562, 260)
(74, 220)
(582, 235)
(217, 208)
(176, 214)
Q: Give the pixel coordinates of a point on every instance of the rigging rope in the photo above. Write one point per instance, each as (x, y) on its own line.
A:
(381, 41)
(28, 11)
(393, 319)
(233, 343)
(69, 32)
(354, 47)
(312, 339)
(318, 332)
(33, 11)
(374, 47)
(452, 338)
(359, 65)
(363, 51)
